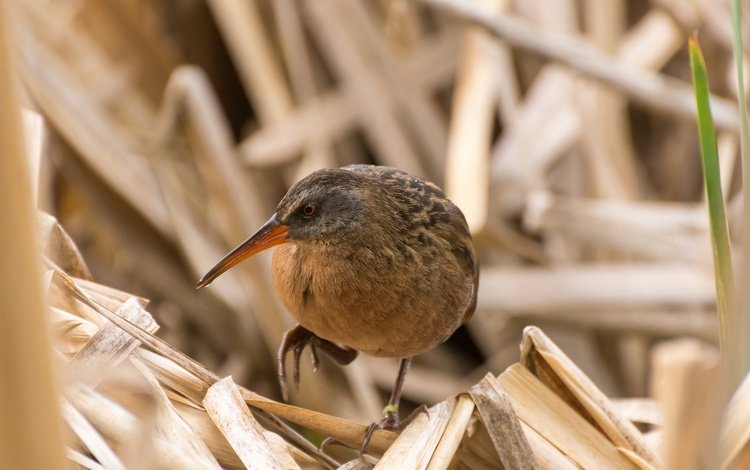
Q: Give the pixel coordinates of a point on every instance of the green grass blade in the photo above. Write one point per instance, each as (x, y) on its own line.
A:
(719, 232)
(743, 313)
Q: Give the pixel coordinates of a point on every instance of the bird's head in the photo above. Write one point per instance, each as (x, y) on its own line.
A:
(324, 207)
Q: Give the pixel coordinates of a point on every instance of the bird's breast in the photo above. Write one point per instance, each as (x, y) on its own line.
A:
(321, 288)
(368, 298)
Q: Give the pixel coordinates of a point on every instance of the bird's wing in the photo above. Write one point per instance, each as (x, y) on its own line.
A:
(377, 171)
(458, 233)
(463, 250)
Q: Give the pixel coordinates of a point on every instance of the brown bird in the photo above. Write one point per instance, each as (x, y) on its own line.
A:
(370, 259)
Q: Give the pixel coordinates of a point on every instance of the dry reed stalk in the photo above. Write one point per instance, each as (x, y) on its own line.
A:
(30, 430)
(228, 411)
(202, 429)
(468, 153)
(170, 422)
(83, 460)
(273, 145)
(476, 451)
(735, 435)
(294, 49)
(498, 416)
(603, 113)
(651, 322)
(105, 296)
(594, 287)
(34, 137)
(248, 42)
(59, 248)
(344, 431)
(547, 455)
(658, 231)
(90, 437)
(110, 345)
(69, 331)
(445, 452)
(295, 52)
(685, 380)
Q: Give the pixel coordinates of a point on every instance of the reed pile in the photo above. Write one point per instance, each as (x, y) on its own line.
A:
(160, 134)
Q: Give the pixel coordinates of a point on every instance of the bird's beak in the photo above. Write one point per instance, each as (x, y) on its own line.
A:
(272, 233)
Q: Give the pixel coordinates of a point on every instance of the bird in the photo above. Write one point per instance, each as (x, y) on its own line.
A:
(368, 259)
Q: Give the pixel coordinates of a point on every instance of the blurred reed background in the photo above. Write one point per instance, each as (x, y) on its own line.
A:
(563, 129)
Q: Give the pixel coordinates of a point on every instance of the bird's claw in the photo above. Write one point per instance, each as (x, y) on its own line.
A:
(330, 441)
(390, 422)
(413, 415)
(296, 340)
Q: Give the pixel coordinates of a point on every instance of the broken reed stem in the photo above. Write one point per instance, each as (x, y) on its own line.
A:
(30, 428)
(685, 374)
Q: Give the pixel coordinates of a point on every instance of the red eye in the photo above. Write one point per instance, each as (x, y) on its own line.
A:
(309, 210)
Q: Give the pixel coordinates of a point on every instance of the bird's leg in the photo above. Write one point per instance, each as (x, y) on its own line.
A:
(296, 340)
(390, 412)
(342, 356)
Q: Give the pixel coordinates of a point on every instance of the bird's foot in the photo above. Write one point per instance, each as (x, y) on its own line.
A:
(390, 422)
(296, 340)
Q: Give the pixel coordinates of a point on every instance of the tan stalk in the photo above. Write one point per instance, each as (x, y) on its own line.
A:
(30, 424)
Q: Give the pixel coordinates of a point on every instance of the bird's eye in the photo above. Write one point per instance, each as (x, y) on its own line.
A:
(309, 210)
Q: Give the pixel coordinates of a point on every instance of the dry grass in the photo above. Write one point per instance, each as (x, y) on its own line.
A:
(563, 129)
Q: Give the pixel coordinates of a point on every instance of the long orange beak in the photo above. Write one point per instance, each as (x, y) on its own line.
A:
(272, 233)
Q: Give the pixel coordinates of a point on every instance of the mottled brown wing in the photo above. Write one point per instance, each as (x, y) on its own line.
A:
(376, 170)
(457, 229)
(389, 176)
(464, 252)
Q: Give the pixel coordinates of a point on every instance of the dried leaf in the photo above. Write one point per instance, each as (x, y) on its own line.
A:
(501, 422)
(226, 408)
